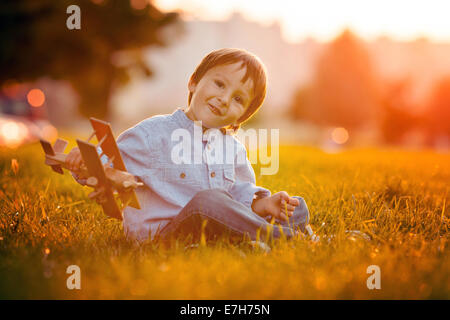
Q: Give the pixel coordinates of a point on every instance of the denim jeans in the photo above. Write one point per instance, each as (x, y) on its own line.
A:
(229, 218)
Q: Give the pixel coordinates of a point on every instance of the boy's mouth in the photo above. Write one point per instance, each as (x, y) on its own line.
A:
(214, 110)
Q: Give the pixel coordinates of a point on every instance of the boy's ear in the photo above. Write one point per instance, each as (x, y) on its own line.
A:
(192, 86)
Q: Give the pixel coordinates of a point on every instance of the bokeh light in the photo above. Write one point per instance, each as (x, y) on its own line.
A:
(12, 134)
(36, 97)
(11, 131)
(49, 133)
(339, 135)
(138, 4)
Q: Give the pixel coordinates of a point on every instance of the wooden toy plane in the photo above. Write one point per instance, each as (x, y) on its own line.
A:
(107, 180)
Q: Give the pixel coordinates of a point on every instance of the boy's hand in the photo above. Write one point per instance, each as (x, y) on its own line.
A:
(279, 206)
(74, 159)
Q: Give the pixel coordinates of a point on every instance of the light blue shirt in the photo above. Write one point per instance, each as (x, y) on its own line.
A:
(151, 151)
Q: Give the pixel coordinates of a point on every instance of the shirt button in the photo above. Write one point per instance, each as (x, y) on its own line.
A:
(182, 175)
(213, 174)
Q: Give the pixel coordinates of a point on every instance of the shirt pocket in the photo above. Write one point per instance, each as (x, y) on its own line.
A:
(182, 179)
(228, 177)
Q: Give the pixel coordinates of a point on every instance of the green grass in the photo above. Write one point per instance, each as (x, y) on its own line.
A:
(398, 198)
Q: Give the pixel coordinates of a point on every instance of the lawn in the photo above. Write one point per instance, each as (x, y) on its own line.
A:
(398, 198)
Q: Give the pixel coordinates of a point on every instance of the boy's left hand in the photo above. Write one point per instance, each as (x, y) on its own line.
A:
(279, 206)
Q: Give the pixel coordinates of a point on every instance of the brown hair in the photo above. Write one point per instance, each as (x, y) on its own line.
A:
(254, 69)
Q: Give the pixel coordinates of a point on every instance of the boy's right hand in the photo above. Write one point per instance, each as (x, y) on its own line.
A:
(279, 205)
(74, 159)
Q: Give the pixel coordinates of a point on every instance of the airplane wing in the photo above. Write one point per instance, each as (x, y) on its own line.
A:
(95, 169)
(59, 146)
(109, 147)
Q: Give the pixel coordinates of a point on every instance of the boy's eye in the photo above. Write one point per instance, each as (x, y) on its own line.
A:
(238, 99)
(219, 83)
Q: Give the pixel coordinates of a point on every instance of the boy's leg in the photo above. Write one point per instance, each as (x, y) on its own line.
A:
(225, 217)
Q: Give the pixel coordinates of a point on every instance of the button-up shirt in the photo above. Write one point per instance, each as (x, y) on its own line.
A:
(175, 160)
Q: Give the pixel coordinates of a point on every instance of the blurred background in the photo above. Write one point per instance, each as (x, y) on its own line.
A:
(341, 73)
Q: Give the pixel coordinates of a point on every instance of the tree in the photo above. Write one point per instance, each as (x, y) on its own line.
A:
(36, 42)
(396, 116)
(344, 89)
(438, 111)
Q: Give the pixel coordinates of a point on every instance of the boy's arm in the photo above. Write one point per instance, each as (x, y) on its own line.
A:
(133, 146)
(244, 189)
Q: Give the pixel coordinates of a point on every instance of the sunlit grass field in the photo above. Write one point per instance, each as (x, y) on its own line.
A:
(398, 198)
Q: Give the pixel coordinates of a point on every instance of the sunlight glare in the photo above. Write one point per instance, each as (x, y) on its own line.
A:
(324, 19)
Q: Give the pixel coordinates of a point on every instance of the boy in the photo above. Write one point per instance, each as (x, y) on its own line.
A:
(226, 89)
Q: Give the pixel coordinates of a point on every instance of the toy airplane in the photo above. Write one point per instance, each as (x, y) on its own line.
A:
(106, 180)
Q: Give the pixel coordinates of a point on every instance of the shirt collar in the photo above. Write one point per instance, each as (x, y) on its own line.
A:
(184, 122)
(182, 119)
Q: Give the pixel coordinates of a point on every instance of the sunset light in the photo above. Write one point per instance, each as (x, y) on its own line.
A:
(225, 152)
(324, 19)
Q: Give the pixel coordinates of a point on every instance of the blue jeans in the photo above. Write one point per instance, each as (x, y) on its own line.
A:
(229, 218)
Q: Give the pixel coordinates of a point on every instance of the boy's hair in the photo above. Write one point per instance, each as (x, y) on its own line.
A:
(255, 69)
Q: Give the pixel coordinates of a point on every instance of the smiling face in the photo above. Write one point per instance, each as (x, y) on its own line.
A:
(220, 98)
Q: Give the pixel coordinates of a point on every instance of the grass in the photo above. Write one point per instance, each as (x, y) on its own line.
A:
(399, 198)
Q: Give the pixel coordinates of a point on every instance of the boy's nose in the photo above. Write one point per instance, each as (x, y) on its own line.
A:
(225, 100)
(222, 102)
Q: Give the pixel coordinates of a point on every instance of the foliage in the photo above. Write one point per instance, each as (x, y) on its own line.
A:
(438, 113)
(37, 43)
(344, 88)
(396, 116)
(47, 223)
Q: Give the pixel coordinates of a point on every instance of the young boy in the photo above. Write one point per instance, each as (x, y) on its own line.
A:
(226, 89)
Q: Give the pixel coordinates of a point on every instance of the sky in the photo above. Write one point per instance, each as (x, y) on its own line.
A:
(402, 20)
